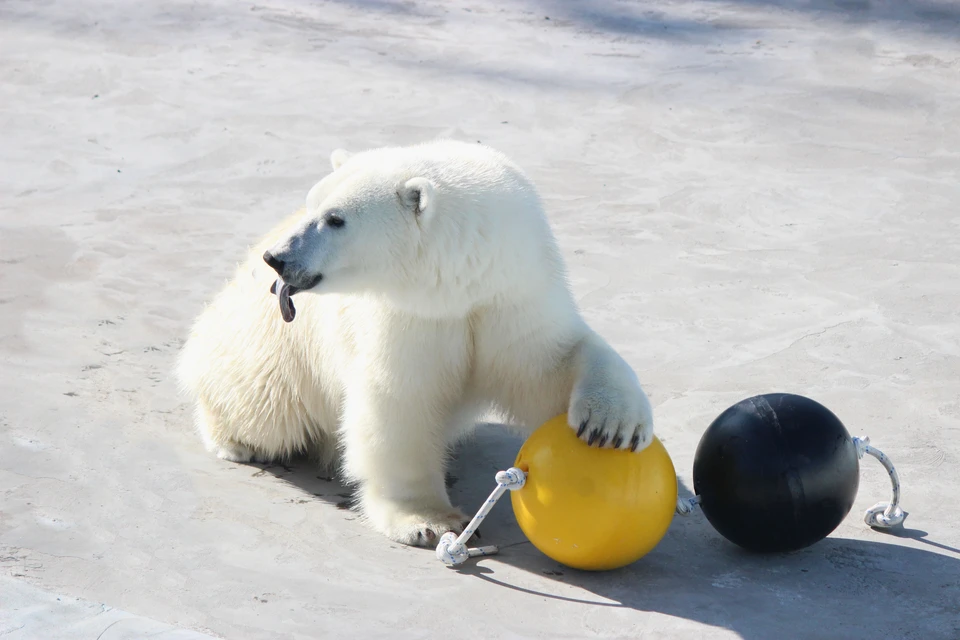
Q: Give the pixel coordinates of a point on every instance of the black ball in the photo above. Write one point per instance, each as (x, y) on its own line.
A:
(776, 472)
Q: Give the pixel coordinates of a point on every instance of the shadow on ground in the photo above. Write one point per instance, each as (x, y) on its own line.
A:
(317, 482)
(661, 20)
(649, 18)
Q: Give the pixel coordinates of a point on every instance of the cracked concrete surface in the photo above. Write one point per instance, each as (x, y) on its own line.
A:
(751, 195)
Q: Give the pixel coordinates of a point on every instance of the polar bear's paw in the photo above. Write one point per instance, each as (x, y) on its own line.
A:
(426, 531)
(420, 528)
(612, 418)
(236, 452)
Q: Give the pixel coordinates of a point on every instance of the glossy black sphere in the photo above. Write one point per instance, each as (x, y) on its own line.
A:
(776, 472)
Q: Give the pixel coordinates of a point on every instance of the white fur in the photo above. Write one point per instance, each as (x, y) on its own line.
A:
(443, 296)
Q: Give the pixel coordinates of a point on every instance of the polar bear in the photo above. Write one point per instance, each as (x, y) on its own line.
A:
(429, 289)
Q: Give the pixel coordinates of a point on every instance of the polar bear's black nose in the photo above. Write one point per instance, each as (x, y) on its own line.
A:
(275, 263)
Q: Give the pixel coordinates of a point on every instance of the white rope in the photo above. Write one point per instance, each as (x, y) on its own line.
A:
(882, 515)
(686, 506)
(452, 549)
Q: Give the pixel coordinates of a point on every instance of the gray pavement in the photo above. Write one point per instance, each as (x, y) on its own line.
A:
(752, 196)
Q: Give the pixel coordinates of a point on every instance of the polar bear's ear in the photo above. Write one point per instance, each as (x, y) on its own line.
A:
(338, 157)
(417, 194)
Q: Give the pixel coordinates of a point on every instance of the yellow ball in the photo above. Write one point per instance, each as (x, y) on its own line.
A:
(591, 508)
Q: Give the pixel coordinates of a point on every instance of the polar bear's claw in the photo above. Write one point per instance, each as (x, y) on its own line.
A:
(583, 427)
(429, 534)
(609, 422)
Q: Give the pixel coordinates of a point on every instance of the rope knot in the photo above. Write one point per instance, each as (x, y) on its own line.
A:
(451, 552)
(884, 515)
(513, 478)
(862, 444)
(685, 506)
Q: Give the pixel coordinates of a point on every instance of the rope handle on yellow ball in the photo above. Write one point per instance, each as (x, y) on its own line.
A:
(452, 549)
(883, 515)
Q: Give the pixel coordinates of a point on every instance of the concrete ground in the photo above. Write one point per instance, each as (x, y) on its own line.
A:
(752, 196)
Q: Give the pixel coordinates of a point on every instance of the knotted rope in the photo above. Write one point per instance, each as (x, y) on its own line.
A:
(452, 549)
(882, 515)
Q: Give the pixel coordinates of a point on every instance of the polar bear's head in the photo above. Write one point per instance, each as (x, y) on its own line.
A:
(359, 223)
(436, 228)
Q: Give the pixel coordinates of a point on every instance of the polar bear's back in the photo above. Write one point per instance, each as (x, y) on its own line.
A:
(473, 172)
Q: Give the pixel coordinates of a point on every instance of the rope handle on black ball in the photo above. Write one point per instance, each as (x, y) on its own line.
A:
(452, 549)
(882, 515)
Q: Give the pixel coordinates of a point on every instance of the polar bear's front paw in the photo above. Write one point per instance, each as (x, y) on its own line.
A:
(424, 530)
(415, 527)
(613, 419)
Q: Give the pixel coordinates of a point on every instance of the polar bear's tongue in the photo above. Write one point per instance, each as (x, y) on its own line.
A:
(283, 291)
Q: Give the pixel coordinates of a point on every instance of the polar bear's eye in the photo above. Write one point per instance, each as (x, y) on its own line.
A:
(334, 220)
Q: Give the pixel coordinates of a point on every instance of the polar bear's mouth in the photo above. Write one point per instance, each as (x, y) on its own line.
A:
(284, 291)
